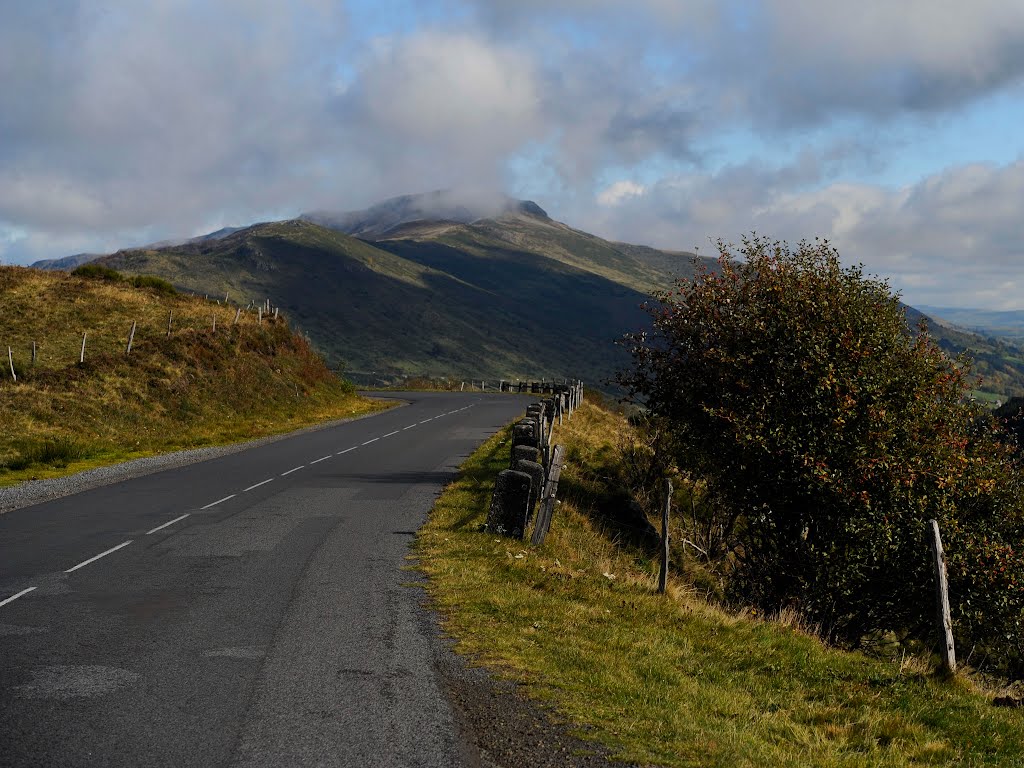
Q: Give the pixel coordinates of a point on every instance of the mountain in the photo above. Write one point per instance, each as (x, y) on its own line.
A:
(461, 286)
(66, 263)
(443, 206)
(513, 295)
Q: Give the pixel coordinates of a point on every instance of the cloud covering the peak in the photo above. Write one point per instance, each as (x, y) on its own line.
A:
(889, 128)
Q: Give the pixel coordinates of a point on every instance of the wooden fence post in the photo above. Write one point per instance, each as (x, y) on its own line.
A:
(170, 314)
(214, 323)
(547, 503)
(259, 316)
(237, 313)
(33, 354)
(81, 357)
(663, 573)
(131, 338)
(10, 359)
(944, 619)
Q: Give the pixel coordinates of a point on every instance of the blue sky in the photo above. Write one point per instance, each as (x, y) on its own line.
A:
(891, 128)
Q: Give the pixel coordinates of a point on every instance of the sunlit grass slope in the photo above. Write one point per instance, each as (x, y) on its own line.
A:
(673, 680)
(196, 386)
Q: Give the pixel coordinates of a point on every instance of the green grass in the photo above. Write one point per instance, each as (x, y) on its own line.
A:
(673, 680)
(195, 387)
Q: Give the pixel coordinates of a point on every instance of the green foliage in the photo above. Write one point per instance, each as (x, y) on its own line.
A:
(829, 435)
(98, 272)
(53, 452)
(107, 274)
(157, 284)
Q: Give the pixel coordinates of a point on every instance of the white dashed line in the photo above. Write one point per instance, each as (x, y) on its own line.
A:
(426, 420)
(268, 480)
(97, 557)
(12, 598)
(218, 501)
(409, 427)
(322, 458)
(294, 469)
(172, 522)
(346, 450)
(371, 441)
(389, 434)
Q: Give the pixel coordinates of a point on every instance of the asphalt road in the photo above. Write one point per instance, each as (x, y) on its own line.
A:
(248, 610)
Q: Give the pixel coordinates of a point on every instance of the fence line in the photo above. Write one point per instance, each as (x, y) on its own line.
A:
(131, 336)
(534, 468)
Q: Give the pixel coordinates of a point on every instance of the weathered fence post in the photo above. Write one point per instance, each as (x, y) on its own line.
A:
(259, 316)
(170, 314)
(547, 504)
(10, 359)
(536, 472)
(214, 323)
(33, 354)
(131, 338)
(237, 313)
(81, 357)
(663, 573)
(463, 387)
(945, 620)
(275, 312)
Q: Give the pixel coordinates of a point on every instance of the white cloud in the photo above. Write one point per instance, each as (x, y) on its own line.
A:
(122, 122)
(439, 109)
(954, 238)
(619, 191)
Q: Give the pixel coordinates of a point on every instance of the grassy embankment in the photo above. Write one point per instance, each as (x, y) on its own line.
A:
(674, 680)
(196, 387)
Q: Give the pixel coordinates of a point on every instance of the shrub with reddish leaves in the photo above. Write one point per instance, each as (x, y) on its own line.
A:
(830, 434)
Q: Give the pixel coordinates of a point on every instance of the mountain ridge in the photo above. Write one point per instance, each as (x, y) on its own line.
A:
(424, 285)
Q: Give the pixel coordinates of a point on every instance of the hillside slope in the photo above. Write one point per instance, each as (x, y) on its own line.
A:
(472, 302)
(196, 386)
(440, 286)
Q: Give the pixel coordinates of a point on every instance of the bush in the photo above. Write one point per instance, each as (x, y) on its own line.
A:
(98, 272)
(56, 452)
(830, 434)
(157, 284)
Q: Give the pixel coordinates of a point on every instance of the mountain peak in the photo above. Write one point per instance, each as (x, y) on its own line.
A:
(457, 206)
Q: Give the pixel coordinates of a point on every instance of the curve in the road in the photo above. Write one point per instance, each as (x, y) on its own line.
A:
(248, 610)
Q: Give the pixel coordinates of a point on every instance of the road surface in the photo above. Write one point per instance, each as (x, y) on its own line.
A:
(250, 610)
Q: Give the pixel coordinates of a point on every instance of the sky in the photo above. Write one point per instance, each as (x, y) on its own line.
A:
(894, 129)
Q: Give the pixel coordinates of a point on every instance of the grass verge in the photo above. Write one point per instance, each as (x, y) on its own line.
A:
(673, 680)
(220, 374)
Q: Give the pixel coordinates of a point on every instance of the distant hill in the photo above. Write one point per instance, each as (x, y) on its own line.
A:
(66, 263)
(517, 295)
(441, 284)
(1000, 324)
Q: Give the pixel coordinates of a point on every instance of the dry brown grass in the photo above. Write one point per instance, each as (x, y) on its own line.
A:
(198, 386)
(676, 680)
